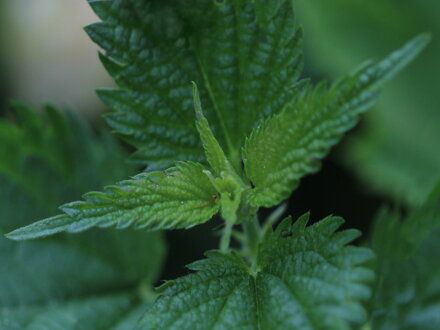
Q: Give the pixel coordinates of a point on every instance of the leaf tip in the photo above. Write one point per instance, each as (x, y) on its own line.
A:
(424, 38)
(13, 235)
(41, 228)
(21, 234)
(418, 44)
(197, 103)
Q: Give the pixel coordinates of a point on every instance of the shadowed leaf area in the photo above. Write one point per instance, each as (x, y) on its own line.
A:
(90, 281)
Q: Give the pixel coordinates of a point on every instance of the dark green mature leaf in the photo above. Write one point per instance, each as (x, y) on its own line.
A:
(88, 281)
(180, 197)
(76, 314)
(407, 289)
(60, 284)
(291, 144)
(306, 279)
(244, 56)
(68, 157)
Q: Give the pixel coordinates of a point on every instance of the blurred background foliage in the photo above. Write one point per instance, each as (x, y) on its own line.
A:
(397, 151)
(50, 158)
(392, 157)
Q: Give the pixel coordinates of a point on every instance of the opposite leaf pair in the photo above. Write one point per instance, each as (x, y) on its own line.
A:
(279, 151)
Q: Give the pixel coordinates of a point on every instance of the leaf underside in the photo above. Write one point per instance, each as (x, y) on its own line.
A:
(307, 279)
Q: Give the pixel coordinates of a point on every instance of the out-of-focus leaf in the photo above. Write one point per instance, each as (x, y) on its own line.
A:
(89, 281)
(397, 152)
(406, 294)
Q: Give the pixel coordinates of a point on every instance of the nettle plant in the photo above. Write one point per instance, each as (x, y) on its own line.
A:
(239, 139)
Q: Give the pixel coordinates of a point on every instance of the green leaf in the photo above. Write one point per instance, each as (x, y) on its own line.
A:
(92, 280)
(228, 183)
(153, 51)
(407, 114)
(407, 286)
(180, 197)
(306, 279)
(86, 283)
(290, 145)
(77, 314)
(69, 157)
(74, 284)
(10, 155)
(213, 151)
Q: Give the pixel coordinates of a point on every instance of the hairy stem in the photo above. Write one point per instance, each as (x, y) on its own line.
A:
(226, 237)
(252, 232)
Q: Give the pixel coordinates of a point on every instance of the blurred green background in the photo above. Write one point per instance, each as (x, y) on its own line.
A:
(397, 150)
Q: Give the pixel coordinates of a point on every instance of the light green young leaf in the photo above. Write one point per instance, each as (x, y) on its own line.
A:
(153, 51)
(213, 151)
(180, 197)
(407, 285)
(291, 144)
(228, 183)
(307, 279)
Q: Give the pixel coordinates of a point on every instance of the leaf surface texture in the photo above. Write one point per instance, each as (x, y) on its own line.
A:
(291, 144)
(180, 197)
(154, 52)
(306, 279)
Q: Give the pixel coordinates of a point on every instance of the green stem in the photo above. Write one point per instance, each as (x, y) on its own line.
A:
(226, 237)
(252, 232)
(273, 217)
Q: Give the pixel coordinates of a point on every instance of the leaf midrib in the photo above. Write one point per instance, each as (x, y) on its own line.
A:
(229, 144)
